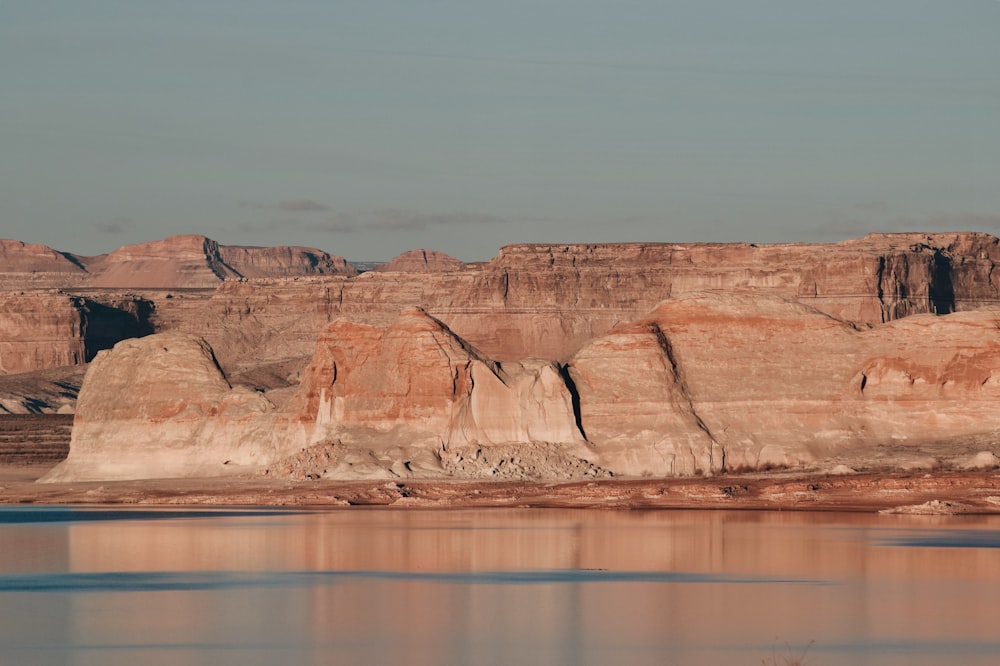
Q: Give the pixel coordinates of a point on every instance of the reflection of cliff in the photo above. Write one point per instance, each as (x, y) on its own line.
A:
(755, 544)
(842, 584)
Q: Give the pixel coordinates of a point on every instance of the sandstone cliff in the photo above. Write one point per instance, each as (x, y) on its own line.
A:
(32, 266)
(547, 301)
(703, 384)
(194, 261)
(421, 261)
(160, 407)
(531, 300)
(48, 329)
(555, 361)
(407, 396)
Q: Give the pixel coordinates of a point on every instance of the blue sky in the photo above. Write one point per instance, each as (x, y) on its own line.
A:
(367, 128)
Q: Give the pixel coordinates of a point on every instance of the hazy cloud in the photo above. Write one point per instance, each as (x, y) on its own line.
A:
(292, 206)
(302, 205)
(331, 226)
(334, 225)
(871, 207)
(389, 219)
(116, 225)
(877, 217)
(950, 222)
(397, 220)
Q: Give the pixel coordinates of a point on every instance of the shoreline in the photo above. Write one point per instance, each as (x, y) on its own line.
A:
(937, 493)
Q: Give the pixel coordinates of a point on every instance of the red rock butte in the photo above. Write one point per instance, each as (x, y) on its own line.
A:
(547, 362)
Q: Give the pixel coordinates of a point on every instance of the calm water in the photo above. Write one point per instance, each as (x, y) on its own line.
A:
(109, 587)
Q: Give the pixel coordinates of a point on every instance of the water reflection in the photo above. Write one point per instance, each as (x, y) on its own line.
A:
(500, 586)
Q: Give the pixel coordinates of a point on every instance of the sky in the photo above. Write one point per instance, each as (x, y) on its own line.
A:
(369, 127)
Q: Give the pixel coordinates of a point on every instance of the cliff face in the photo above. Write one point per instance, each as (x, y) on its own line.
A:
(421, 261)
(160, 407)
(548, 301)
(558, 361)
(41, 330)
(259, 262)
(31, 266)
(179, 262)
(701, 385)
(531, 300)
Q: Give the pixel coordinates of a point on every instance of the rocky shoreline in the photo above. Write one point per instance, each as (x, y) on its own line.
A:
(938, 493)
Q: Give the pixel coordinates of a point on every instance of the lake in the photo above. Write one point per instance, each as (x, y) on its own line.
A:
(94, 586)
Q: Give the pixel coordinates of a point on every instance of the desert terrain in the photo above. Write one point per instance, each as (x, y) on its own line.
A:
(857, 375)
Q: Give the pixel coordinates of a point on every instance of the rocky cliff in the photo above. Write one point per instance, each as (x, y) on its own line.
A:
(421, 261)
(186, 262)
(160, 407)
(703, 384)
(48, 329)
(31, 266)
(41, 329)
(553, 361)
(548, 301)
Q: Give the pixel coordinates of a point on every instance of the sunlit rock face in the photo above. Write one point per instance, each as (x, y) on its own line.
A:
(569, 361)
(548, 301)
(417, 394)
(702, 385)
(193, 261)
(160, 407)
(50, 329)
(421, 261)
(33, 266)
(707, 383)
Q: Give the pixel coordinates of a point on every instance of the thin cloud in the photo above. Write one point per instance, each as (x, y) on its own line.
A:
(116, 225)
(951, 222)
(331, 227)
(291, 206)
(302, 205)
(388, 219)
(293, 226)
(878, 217)
(871, 207)
(404, 220)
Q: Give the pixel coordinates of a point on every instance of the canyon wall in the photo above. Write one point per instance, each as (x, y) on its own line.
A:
(549, 361)
(269, 304)
(703, 384)
(548, 300)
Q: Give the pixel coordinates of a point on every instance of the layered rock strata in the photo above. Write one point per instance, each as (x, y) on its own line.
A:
(547, 301)
(197, 262)
(701, 385)
(421, 261)
(531, 300)
(160, 407)
(32, 266)
(47, 329)
(709, 383)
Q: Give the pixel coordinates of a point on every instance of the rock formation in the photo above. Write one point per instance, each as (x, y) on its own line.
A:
(31, 266)
(46, 329)
(547, 301)
(160, 406)
(550, 361)
(413, 393)
(193, 262)
(703, 384)
(740, 382)
(421, 261)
